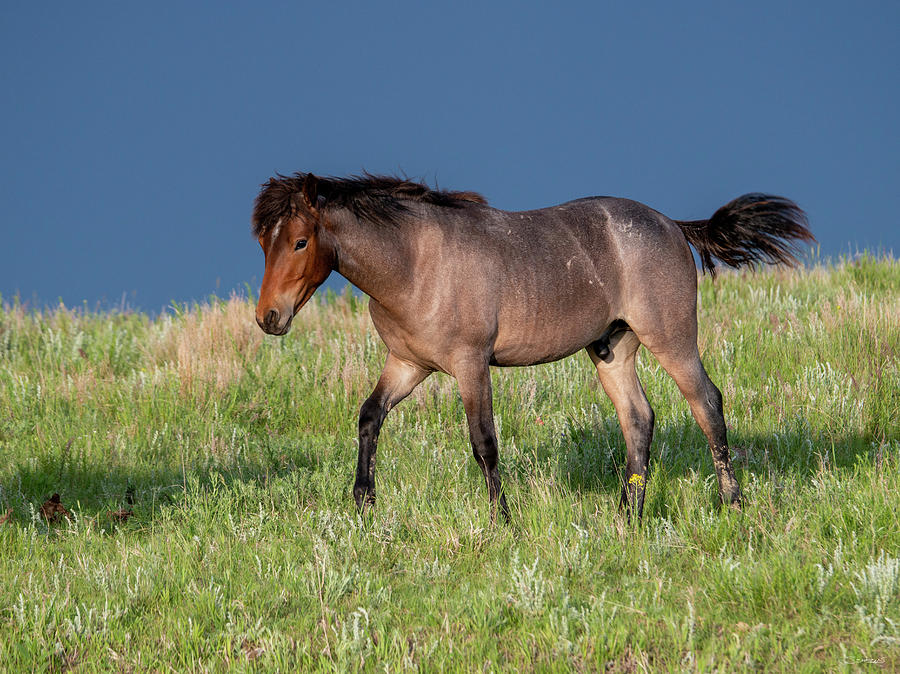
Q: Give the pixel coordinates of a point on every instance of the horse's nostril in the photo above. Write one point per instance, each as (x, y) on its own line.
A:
(272, 318)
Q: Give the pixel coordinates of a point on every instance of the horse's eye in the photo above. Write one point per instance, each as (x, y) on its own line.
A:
(301, 244)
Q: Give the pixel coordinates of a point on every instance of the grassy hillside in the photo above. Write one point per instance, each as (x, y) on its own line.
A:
(235, 452)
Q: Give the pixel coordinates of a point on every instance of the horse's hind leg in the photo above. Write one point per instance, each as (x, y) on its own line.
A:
(397, 381)
(614, 357)
(682, 362)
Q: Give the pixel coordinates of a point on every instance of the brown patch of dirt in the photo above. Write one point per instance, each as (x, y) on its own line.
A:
(53, 511)
(626, 663)
(251, 650)
(120, 515)
(6, 517)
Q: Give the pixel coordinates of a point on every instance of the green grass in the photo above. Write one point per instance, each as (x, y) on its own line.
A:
(245, 550)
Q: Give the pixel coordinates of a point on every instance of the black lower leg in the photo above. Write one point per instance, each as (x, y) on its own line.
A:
(475, 386)
(638, 436)
(633, 490)
(371, 417)
(487, 458)
(729, 488)
(398, 379)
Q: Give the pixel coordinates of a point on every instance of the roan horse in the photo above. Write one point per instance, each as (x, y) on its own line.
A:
(457, 286)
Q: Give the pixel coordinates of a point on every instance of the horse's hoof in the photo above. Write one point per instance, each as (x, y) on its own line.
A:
(733, 501)
(504, 516)
(364, 497)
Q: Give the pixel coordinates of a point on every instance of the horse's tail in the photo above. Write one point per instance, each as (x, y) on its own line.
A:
(752, 228)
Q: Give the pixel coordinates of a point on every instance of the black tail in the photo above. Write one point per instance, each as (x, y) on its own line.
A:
(752, 228)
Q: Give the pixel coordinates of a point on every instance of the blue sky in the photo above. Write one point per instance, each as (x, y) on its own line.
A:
(135, 136)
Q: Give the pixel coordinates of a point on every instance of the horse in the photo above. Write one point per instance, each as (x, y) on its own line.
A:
(457, 286)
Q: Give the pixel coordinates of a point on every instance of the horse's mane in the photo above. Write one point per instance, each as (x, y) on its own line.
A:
(380, 199)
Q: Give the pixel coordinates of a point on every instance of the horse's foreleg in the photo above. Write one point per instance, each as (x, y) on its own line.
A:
(475, 387)
(398, 379)
(614, 359)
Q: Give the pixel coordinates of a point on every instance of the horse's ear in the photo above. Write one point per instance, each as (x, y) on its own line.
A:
(310, 192)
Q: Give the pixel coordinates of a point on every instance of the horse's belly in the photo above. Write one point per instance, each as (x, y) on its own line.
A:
(526, 355)
(545, 343)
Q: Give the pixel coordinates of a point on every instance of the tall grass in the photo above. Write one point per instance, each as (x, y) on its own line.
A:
(235, 453)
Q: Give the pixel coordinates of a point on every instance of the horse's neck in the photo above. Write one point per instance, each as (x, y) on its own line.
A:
(373, 257)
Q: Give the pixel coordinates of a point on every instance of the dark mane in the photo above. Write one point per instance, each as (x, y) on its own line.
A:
(380, 199)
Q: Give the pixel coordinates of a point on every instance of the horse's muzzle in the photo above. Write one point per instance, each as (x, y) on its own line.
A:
(272, 323)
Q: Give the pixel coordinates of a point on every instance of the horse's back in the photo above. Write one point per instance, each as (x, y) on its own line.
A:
(626, 239)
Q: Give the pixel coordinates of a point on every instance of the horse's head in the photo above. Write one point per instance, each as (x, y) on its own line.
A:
(299, 253)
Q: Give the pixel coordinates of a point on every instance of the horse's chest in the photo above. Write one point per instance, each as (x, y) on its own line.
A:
(409, 338)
